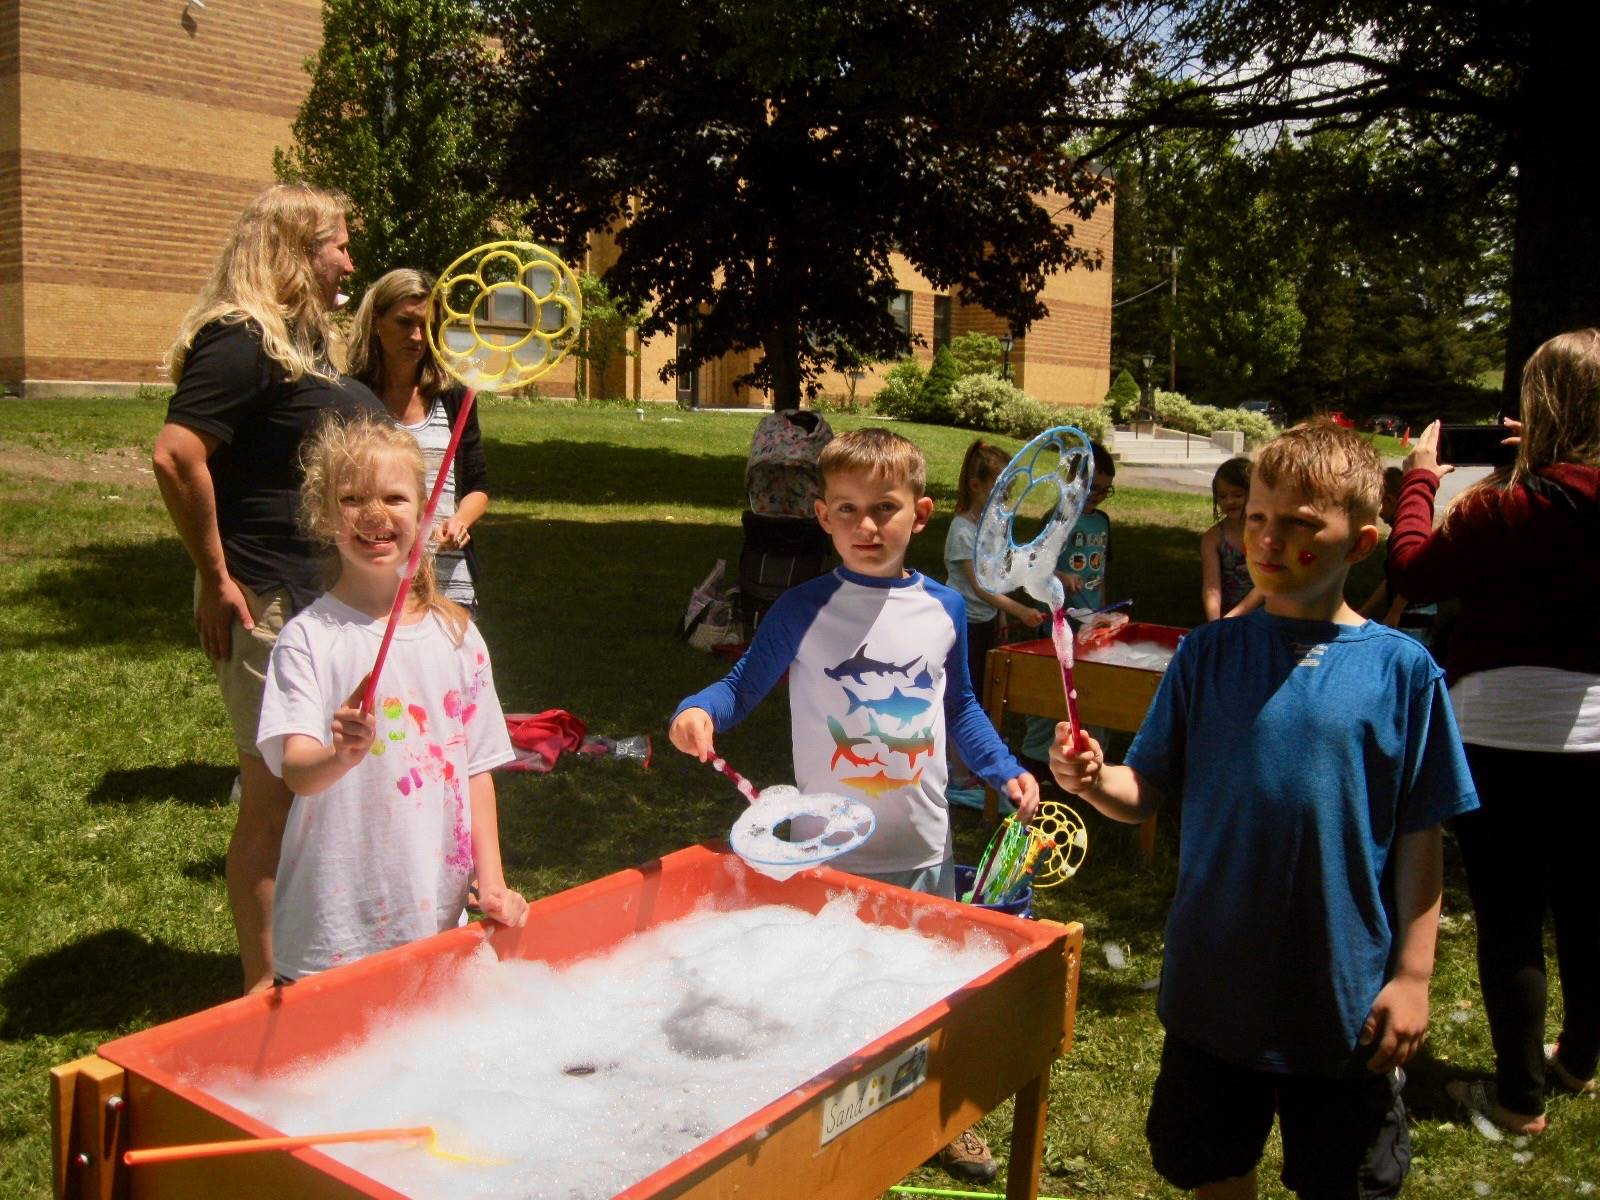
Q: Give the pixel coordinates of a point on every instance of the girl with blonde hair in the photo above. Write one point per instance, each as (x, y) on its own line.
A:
(252, 382)
(394, 814)
(1521, 552)
(391, 354)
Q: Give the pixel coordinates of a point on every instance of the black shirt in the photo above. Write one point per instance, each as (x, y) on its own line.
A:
(234, 391)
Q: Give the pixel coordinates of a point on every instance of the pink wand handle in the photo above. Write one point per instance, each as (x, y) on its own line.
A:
(746, 788)
(424, 530)
(1061, 635)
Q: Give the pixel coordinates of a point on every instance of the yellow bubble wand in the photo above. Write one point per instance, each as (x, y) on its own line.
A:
(502, 315)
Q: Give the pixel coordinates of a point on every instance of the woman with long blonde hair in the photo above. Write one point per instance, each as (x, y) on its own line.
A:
(390, 353)
(1521, 552)
(253, 380)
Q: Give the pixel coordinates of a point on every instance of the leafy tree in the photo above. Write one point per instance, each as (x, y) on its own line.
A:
(760, 161)
(602, 345)
(1480, 98)
(393, 120)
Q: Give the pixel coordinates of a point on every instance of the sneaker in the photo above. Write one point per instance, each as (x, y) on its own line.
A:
(968, 1157)
(1558, 1078)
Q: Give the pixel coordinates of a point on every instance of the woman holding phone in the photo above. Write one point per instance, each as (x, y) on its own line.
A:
(1520, 551)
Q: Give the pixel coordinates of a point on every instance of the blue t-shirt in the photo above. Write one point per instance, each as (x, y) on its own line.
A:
(1085, 555)
(1313, 746)
(877, 676)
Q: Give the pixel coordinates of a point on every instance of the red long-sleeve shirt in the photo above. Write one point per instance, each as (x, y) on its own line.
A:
(1523, 561)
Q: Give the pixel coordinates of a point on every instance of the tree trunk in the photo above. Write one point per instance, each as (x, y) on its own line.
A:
(782, 348)
(1555, 285)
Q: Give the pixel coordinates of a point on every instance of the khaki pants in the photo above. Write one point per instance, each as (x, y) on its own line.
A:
(243, 674)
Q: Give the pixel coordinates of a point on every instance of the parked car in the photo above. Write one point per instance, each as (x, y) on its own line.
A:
(1270, 409)
(1338, 418)
(1388, 423)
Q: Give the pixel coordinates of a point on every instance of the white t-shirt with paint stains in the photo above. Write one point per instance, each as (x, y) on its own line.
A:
(383, 856)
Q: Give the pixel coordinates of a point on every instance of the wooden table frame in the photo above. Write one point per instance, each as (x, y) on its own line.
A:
(984, 1044)
(1030, 684)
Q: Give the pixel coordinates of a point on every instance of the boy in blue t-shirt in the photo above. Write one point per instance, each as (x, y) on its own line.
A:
(876, 657)
(1315, 756)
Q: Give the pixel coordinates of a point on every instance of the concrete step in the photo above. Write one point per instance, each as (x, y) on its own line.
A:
(1167, 452)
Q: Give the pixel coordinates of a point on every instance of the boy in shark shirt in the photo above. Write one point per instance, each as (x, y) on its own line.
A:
(877, 663)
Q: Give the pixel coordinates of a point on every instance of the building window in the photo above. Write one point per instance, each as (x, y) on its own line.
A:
(900, 310)
(941, 322)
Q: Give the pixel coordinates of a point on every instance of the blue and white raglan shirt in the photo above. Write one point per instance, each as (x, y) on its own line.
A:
(877, 682)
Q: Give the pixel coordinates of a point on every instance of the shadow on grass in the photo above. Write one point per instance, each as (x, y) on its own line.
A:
(111, 980)
(567, 472)
(207, 869)
(131, 597)
(203, 785)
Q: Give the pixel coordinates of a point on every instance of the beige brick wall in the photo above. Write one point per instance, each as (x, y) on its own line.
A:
(140, 131)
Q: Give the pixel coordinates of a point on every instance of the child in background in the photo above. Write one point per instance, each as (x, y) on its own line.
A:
(1225, 586)
(393, 811)
(876, 657)
(980, 467)
(1081, 568)
(1301, 936)
(1384, 604)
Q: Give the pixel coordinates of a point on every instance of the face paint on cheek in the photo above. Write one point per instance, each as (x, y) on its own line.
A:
(1307, 558)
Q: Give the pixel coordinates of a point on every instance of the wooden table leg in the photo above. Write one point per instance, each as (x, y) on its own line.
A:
(1147, 839)
(1027, 1139)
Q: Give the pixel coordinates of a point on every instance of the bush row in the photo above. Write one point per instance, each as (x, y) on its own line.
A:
(981, 401)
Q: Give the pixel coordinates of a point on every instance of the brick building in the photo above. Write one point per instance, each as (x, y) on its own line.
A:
(132, 133)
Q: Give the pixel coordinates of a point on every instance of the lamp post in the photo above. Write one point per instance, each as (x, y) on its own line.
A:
(1149, 361)
(1006, 342)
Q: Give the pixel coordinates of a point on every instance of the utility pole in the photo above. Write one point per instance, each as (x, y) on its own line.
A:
(1171, 268)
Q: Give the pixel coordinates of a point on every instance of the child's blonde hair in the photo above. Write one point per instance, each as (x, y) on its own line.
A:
(981, 465)
(341, 450)
(366, 355)
(1561, 404)
(1235, 472)
(878, 453)
(264, 274)
(1328, 465)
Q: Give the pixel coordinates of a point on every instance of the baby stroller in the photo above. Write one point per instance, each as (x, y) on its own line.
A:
(783, 544)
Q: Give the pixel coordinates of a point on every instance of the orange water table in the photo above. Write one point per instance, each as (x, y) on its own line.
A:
(994, 1038)
(1024, 677)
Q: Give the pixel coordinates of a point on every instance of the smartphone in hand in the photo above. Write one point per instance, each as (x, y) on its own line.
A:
(1476, 445)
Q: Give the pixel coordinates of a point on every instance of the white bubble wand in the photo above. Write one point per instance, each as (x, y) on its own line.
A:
(1059, 460)
(501, 315)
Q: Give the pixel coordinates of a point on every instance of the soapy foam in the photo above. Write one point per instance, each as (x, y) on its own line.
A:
(578, 1081)
(1144, 655)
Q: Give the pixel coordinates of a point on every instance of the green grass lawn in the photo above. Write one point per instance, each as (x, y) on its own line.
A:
(117, 767)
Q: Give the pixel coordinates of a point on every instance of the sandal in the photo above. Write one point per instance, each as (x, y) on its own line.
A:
(1477, 1096)
(1558, 1079)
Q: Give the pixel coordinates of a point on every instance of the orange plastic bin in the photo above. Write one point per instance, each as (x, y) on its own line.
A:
(992, 1039)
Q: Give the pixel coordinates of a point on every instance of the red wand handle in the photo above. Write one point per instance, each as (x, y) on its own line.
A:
(423, 531)
(1061, 635)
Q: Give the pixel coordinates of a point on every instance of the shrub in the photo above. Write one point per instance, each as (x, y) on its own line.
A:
(985, 402)
(901, 393)
(976, 354)
(1176, 412)
(1123, 398)
(938, 386)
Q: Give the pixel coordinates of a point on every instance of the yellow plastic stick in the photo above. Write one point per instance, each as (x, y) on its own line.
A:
(162, 1154)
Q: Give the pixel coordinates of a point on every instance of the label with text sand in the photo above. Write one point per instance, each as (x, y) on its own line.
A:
(859, 1099)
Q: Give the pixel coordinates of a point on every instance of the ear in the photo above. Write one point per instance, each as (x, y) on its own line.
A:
(822, 516)
(924, 510)
(1366, 540)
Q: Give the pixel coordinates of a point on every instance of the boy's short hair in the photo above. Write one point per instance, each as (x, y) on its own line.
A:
(879, 453)
(1104, 464)
(1328, 464)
